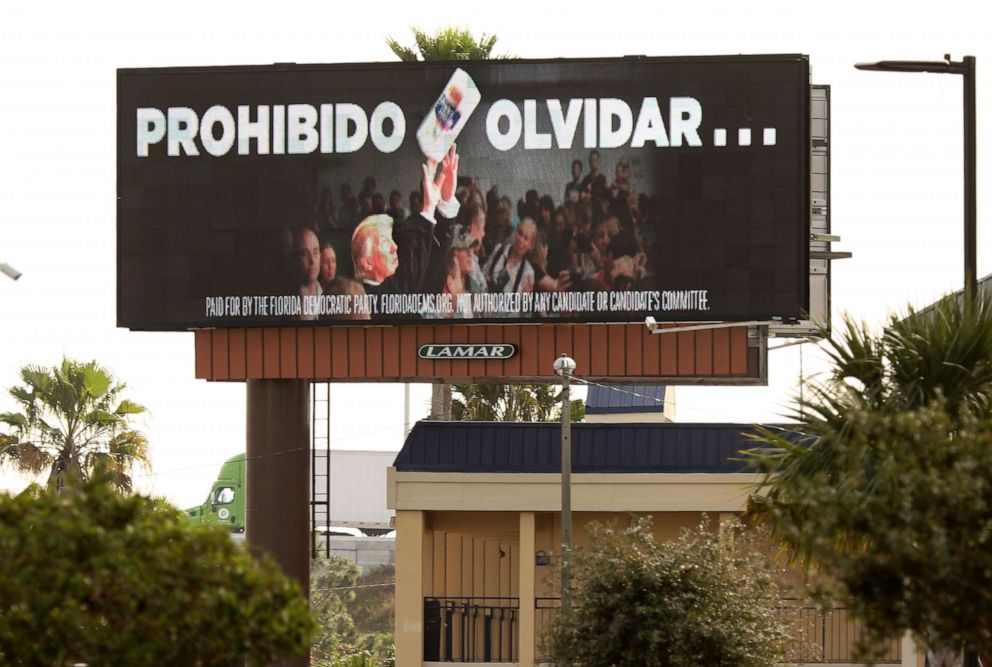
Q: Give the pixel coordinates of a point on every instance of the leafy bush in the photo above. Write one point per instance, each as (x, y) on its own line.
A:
(703, 599)
(98, 578)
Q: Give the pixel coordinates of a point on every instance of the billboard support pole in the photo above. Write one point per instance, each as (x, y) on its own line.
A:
(277, 506)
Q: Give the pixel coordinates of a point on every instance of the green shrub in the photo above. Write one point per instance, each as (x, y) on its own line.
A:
(99, 578)
(703, 599)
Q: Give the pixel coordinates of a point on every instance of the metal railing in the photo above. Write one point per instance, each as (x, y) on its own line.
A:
(818, 637)
(471, 629)
(830, 637)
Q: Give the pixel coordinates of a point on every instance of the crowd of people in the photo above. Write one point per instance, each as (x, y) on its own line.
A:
(456, 239)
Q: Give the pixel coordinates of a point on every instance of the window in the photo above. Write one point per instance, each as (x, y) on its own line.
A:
(224, 495)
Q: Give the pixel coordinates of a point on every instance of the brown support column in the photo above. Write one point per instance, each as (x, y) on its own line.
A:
(277, 506)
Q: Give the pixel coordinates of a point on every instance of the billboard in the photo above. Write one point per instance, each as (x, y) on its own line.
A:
(575, 191)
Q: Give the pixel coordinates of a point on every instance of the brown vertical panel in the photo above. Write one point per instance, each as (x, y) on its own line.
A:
(546, 352)
(287, 353)
(236, 353)
(599, 342)
(616, 352)
(391, 352)
(425, 367)
(669, 352)
(528, 350)
(511, 334)
(440, 563)
(704, 352)
(339, 352)
(477, 334)
(373, 352)
(563, 339)
(221, 363)
(505, 569)
(468, 556)
(408, 352)
(322, 353)
(580, 349)
(496, 367)
(479, 566)
(253, 354)
(635, 345)
(492, 570)
(651, 353)
(270, 353)
(459, 334)
(687, 352)
(738, 350)
(356, 352)
(721, 352)
(305, 352)
(441, 334)
(202, 363)
(453, 556)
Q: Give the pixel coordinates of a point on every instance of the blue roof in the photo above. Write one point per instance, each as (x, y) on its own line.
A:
(602, 400)
(486, 447)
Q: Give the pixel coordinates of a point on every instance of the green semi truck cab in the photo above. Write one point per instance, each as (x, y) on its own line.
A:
(225, 504)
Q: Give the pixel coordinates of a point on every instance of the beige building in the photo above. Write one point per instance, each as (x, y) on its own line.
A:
(478, 519)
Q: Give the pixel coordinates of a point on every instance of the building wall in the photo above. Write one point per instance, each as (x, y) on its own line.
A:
(447, 553)
(476, 554)
(541, 492)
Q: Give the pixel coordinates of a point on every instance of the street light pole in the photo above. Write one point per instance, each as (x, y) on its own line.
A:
(970, 181)
(565, 366)
(966, 68)
(9, 271)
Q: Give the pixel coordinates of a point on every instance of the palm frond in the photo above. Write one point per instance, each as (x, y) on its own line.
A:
(404, 53)
(30, 458)
(127, 407)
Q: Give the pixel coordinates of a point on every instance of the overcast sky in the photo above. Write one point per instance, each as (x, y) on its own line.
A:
(896, 172)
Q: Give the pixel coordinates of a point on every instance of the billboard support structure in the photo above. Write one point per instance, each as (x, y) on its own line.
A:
(655, 328)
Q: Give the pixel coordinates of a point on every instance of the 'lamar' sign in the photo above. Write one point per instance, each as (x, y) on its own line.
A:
(500, 351)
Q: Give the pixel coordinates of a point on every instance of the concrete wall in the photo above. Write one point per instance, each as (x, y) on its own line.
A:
(366, 552)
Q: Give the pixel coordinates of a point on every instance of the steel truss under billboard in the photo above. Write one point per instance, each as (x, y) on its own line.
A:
(578, 191)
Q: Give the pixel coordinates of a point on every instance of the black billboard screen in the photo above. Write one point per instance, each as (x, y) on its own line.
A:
(498, 191)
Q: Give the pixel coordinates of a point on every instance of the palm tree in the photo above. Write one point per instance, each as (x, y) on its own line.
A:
(72, 421)
(888, 445)
(449, 43)
(515, 403)
(942, 353)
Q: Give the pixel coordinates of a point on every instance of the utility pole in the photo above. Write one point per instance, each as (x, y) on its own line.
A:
(565, 367)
